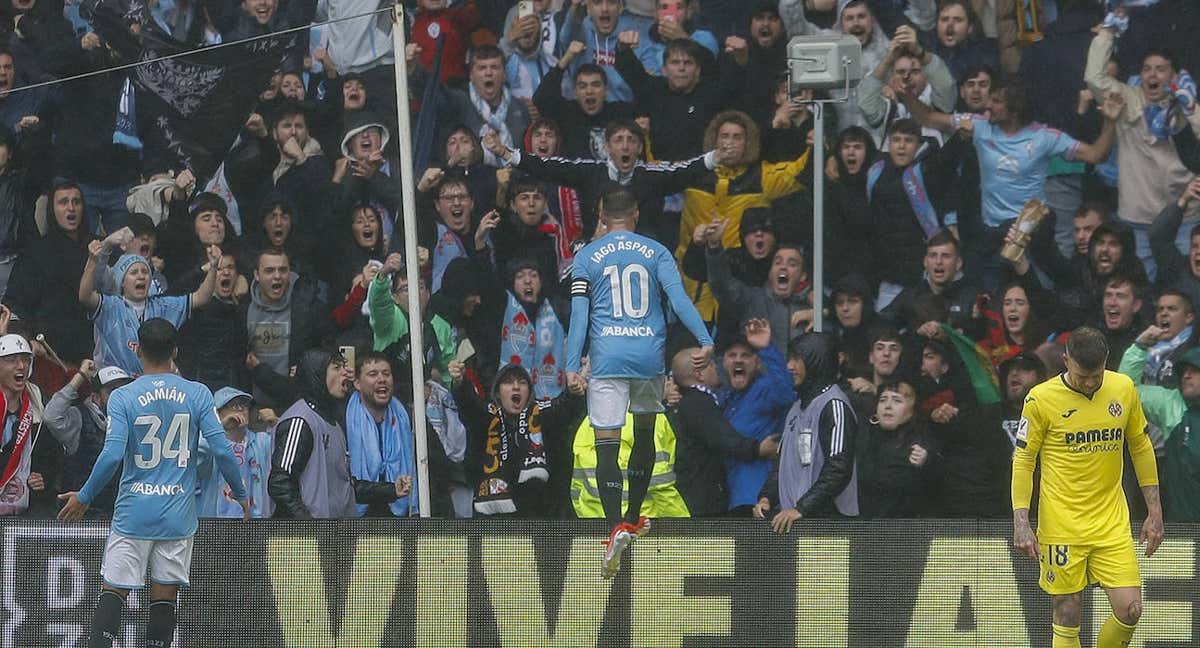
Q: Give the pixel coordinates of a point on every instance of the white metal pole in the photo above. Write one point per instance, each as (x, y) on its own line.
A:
(818, 256)
(415, 319)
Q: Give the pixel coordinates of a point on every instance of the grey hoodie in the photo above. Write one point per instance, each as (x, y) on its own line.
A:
(269, 328)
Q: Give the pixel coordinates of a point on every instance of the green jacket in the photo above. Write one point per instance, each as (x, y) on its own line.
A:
(389, 323)
(1166, 408)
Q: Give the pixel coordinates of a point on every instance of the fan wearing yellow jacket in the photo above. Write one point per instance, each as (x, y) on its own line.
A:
(730, 189)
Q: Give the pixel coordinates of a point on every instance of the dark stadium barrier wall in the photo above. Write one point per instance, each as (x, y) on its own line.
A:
(507, 583)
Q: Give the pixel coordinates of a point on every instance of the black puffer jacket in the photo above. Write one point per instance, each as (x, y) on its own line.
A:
(888, 485)
(897, 238)
(44, 290)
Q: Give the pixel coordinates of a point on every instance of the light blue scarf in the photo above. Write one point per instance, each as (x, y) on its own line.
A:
(371, 462)
(1163, 121)
(448, 248)
(538, 346)
(496, 120)
(1157, 356)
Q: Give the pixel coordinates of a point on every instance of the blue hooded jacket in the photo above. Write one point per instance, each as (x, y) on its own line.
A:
(757, 412)
(602, 50)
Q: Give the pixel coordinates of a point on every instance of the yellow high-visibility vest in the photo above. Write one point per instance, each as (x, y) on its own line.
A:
(662, 499)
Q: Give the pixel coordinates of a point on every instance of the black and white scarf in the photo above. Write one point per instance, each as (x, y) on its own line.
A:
(513, 454)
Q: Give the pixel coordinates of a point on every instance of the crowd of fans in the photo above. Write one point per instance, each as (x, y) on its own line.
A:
(280, 258)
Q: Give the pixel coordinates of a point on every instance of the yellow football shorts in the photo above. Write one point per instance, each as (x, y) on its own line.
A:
(1066, 569)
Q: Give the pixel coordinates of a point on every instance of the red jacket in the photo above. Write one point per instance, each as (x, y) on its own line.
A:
(457, 24)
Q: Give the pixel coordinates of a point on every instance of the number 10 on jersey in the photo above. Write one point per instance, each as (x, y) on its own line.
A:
(621, 283)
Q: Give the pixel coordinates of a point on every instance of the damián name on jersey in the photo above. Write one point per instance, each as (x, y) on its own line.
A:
(162, 393)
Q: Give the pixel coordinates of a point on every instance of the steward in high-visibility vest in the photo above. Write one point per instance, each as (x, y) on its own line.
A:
(662, 499)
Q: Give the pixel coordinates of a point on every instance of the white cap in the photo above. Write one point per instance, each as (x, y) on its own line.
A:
(111, 374)
(13, 344)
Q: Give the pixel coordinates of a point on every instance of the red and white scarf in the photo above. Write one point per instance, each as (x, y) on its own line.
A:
(14, 495)
(20, 437)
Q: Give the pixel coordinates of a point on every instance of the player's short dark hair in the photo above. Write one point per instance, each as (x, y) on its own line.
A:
(1088, 348)
(369, 357)
(944, 237)
(618, 203)
(156, 340)
(1187, 301)
(905, 126)
(590, 68)
(902, 387)
(794, 246)
(272, 251)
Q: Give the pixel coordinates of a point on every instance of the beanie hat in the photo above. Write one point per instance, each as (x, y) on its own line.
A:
(123, 265)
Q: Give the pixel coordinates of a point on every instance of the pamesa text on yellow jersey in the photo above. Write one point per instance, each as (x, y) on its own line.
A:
(1080, 440)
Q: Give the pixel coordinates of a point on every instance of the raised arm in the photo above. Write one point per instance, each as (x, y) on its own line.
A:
(1094, 74)
(204, 292)
(571, 173)
(926, 116)
(213, 432)
(1098, 151)
(62, 419)
(88, 295)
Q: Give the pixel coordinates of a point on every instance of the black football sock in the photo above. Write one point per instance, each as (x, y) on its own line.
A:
(160, 629)
(641, 467)
(608, 479)
(106, 621)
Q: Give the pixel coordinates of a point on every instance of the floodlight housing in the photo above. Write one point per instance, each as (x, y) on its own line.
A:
(824, 63)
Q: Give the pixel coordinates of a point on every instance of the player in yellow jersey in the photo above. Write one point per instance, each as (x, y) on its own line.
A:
(1078, 423)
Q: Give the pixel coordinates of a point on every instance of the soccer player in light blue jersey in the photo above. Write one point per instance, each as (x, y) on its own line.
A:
(618, 284)
(154, 429)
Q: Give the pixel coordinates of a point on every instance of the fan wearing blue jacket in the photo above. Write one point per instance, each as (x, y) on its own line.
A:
(756, 401)
(596, 24)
